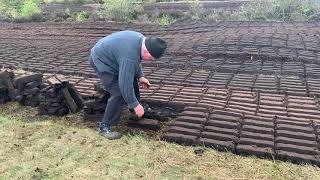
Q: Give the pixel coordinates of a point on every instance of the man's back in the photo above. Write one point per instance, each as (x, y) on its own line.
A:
(120, 46)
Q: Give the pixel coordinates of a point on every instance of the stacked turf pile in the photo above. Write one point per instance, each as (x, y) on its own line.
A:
(94, 107)
(28, 89)
(7, 91)
(59, 99)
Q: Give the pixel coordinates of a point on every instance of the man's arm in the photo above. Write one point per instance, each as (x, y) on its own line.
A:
(127, 72)
(140, 72)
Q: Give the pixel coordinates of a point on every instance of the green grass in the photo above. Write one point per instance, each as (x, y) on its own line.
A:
(75, 2)
(121, 10)
(34, 147)
(271, 10)
(165, 20)
(17, 9)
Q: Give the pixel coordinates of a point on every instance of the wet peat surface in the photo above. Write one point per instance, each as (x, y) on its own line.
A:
(161, 112)
(156, 115)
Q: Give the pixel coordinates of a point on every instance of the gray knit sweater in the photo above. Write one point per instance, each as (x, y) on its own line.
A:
(119, 54)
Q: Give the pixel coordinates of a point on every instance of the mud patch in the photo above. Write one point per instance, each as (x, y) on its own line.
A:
(160, 111)
(156, 113)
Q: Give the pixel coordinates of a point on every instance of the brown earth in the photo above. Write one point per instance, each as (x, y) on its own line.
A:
(256, 84)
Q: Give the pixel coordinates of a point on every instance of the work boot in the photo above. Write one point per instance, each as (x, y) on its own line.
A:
(109, 134)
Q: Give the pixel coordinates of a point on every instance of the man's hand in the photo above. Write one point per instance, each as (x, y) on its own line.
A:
(139, 110)
(144, 83)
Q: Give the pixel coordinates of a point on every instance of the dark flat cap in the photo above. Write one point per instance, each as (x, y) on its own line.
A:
(155, 46)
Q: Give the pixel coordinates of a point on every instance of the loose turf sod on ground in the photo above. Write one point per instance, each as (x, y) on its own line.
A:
(63, 148)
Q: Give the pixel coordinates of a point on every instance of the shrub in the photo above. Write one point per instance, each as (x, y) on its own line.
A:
(73, 2)
(29, 8)
(68, 15)
(282, 10)
(121, 10)
(16, 9)
(154, 1)
(220, 15)
(273, 10)
(196, 10)
(165, 19)
(9, 8)
(82, 16)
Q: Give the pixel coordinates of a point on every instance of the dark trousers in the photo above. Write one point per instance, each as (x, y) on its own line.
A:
(114, 105)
